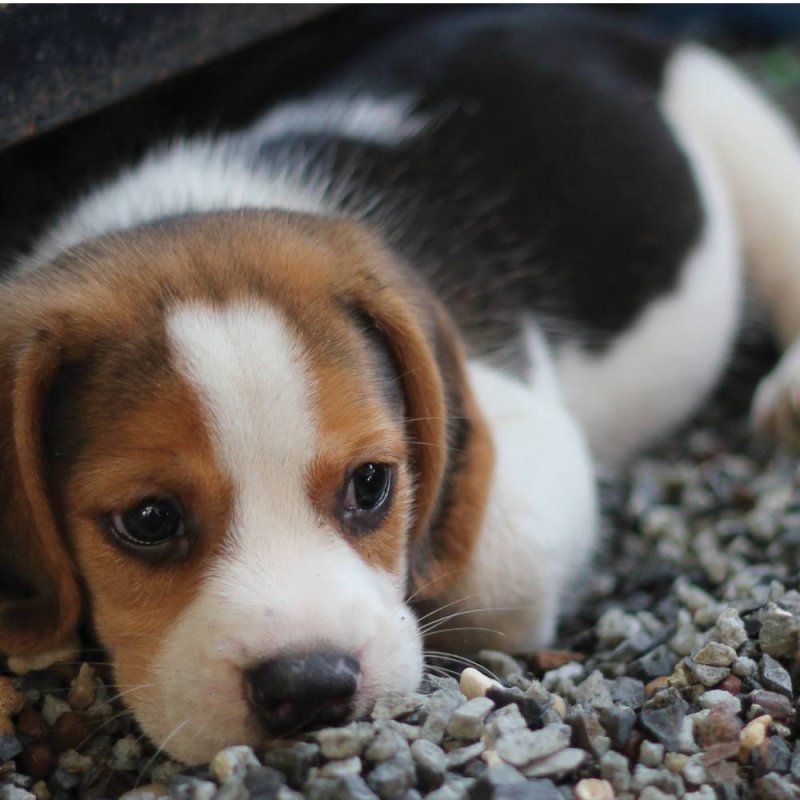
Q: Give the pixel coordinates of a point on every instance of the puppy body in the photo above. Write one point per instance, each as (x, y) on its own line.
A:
(581, 227)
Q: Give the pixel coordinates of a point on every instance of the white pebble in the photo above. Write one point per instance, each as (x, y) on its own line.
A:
(719, 698)
(475, 684)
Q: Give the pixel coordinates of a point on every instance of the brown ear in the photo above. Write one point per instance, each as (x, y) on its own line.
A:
(452, 450)
(39, 595)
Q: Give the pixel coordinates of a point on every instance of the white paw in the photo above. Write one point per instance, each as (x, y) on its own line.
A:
(775, 411)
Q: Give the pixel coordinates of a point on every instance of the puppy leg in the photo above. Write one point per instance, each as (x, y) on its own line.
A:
(540, 526)
(758, 154)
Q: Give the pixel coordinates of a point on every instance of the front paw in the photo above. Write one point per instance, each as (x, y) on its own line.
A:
(775, 411)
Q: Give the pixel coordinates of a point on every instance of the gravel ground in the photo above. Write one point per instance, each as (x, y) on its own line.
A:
(678, 677)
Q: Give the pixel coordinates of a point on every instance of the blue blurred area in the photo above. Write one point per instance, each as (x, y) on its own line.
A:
(746, 21)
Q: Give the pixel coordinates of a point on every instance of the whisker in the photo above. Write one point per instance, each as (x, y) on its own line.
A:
(160, 749)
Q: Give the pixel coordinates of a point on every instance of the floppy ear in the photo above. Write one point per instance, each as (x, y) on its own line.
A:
(39, 594)
(452, 450)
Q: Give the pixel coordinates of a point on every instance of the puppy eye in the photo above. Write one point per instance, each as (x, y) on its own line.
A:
(151, 522)
(366, 496)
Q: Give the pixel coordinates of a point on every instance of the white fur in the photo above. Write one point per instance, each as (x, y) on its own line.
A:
(758, 152)
(655, 374)
(386, 121)
(285, 581)
(540, 525)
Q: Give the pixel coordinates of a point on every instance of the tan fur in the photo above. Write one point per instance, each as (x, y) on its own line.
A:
(128, 426)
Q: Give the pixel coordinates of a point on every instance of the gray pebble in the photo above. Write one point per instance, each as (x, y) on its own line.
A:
(775, 787)
(440, 708)
(462, 755)
(523, 746)
(15, 793)
(352, 787)
(729, 628)
(615, 769)
(504, 721)
(693, 771)
(344, 742)
(627, 691)
(10, 747)
(651, 754)
(774, 676)
(294, 762)
(744, 667)
(392, 706)
(654, 793)
(467, 720)
(618, 722)
(390, 779)
(780, 632)
(594, 692)
(557, 764)
(663, 716)
(387, 744)
(431, 763)
(454, 789)
(341, 768)
(718, 698)
(232, 789)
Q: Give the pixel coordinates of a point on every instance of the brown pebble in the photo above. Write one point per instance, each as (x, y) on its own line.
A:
(593, 789)
(633, 745)
(726, 772)
(541, 661)
(31, 725)
(752, 735)
(71, 730)
(778, 706)
(656, 685)
(721, 751)
(11, 700)
(6, 725)
(731, 684)
(37, 760)
(82, 690)
(40, 791)
(718, 726)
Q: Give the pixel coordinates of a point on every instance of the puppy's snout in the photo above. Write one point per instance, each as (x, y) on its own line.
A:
(299, 693)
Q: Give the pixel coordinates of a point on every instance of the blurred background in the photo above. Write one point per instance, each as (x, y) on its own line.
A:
(86, 89)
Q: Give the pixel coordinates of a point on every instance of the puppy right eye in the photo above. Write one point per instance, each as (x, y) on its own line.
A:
(151, 522)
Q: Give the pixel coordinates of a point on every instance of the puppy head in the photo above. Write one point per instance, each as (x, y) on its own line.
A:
(232, 443)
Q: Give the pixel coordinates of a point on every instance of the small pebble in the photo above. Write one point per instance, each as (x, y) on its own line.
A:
(717, 698)
(474, 683)
(593, 789)
(467, 720)
(752, 735)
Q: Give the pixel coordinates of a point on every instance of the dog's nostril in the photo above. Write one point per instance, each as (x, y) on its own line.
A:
(303, 692)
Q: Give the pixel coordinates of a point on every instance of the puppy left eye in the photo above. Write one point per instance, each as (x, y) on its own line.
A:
(366, 496)
(152, 522)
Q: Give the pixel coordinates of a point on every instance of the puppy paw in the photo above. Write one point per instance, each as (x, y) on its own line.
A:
(775, 412)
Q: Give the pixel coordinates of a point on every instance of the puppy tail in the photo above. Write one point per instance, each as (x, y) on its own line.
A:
(758, 155)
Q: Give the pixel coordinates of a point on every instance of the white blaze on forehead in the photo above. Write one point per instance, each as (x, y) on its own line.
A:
(253, 377)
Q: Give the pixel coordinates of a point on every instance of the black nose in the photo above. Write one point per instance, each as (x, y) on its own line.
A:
(303, 692)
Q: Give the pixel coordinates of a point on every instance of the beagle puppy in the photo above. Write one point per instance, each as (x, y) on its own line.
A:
(264, 396)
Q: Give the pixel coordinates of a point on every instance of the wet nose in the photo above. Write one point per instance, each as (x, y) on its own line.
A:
(298, 693)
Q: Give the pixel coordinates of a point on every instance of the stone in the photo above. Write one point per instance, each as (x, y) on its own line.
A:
(263, 782)
(694, 771)
(775, 755)
(504, 721)
(344, 742)
(294, 762)
(72, 761)
(341, 767)
(10, 747)
(593, 789)
(615, 626)
(651, 754)
(440, 708)
(663, 716)
(474, 683)
(752, 736)
(589, 734)
(717, 698)
(654, 793)
(778, 706)
(82, 690)
(467, 720)
(774, 676)
(352, 787)
(463, 755)
(744, 667)
(618, 722)
(126, 752)
(53, 708)
(627, 691)
(231, 762)
(729, 629)
(523, 746)
(387, 744)
(780, 632)
(557, 764)
(594, 692)
(708, 676)
(659, 661)
(719, 725)
(394, 705)
(431, 763)
(11, 699)
(390, 779)
(716, 655)
(615, 769)
(775, 787)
